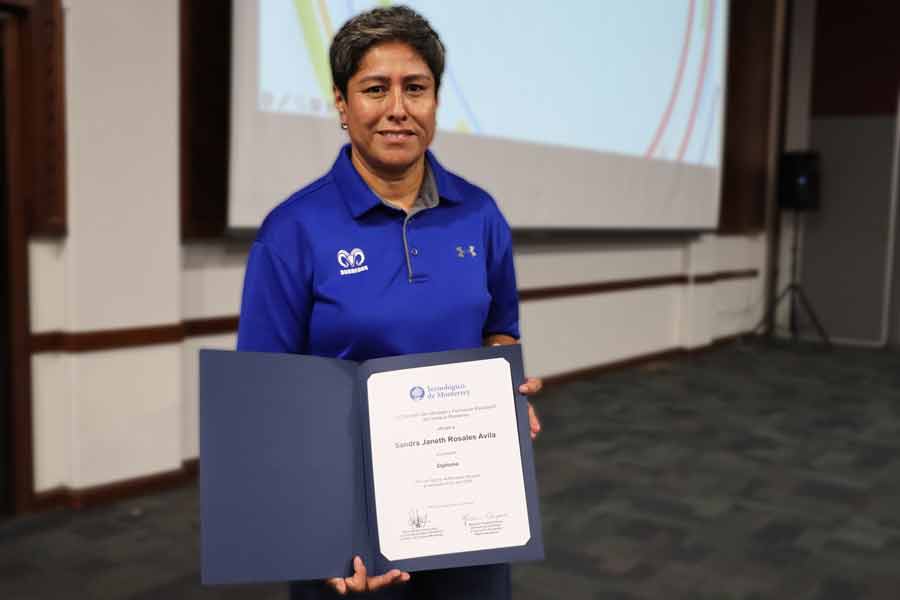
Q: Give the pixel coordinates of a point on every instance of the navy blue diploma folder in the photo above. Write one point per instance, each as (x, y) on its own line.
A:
(285, 467)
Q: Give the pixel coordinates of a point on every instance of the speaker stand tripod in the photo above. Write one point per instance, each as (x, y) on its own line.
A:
(794, 292)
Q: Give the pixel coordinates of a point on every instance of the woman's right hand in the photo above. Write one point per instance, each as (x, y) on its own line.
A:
(360, 582)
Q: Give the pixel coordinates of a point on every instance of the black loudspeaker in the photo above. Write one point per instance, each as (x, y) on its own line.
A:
(798, 181)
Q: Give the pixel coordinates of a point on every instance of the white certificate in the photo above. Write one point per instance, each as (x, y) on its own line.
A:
(446, 464)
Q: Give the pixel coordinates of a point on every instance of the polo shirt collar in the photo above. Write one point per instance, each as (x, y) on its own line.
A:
(447, 188)
(361, 199)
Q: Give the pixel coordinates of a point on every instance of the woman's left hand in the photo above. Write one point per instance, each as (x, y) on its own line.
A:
(531, 387)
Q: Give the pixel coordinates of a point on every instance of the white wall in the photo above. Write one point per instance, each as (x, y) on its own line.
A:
(104, 416)
(562, 335)
(559, 335)
(101, 417)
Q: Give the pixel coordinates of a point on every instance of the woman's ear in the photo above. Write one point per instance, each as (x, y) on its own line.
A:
(340, 104)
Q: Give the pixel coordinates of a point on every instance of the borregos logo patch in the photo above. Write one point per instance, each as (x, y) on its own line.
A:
(352, 262)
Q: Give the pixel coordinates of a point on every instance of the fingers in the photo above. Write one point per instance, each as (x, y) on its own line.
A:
(357, 583)
(360, 582)
(531, 386)
(391, 577)
(338, 585)
(533, 421)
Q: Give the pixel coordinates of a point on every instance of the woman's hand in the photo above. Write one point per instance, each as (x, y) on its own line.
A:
(532, 386)
(361, 582)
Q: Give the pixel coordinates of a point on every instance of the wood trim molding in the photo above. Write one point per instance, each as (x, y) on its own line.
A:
(643, 359)
(92, 341)
(65, 497)
(600, 287)
(726, 275)
(635, 361)
(112, 339)
(211, 326)
(603, 287)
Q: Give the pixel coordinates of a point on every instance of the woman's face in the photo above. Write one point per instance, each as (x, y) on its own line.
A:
(390, 108)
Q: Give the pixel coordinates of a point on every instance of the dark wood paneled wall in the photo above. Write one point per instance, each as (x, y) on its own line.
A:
(749, 110)
(35, 186)
(18, 187)
(205, 116)
(42, 83)
(7, 448)
(116, 339)
(47, 211)
(857, 58)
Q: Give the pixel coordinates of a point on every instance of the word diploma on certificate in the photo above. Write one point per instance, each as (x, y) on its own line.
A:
(446, 461)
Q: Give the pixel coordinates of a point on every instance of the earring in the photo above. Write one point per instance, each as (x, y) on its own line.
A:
(343, 126)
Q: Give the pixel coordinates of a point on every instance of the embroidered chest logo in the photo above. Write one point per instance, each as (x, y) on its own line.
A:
(461, 252)
(352, 262)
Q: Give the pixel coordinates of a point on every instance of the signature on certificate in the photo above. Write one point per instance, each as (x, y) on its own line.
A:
(469, 518)
(417, 519)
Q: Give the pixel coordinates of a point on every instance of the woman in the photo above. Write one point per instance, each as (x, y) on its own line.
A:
(387, 254)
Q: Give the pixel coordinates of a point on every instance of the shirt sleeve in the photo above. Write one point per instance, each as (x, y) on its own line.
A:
(503, 315)
(275, 304)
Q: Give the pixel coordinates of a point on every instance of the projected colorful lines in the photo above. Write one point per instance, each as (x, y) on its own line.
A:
(640, 78)
(702, 90)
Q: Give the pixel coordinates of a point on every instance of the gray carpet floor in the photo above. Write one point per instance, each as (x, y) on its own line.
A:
(748, 472)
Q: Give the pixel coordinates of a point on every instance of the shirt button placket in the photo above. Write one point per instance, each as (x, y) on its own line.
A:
(412, 251)
(406, 248)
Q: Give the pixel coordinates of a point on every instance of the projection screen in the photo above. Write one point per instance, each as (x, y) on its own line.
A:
(576, 115)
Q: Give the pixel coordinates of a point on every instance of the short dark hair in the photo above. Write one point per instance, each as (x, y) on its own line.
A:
(390, 24)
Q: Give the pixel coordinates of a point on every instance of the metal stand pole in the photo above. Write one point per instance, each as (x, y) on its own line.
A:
(794, 291)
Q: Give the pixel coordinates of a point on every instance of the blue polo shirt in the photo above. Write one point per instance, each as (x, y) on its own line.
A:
(336, 272)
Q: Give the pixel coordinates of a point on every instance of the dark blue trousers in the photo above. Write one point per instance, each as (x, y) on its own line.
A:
(488, 582)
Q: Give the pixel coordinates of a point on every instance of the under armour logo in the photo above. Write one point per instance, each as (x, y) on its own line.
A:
(461, 253)
(352, 261)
